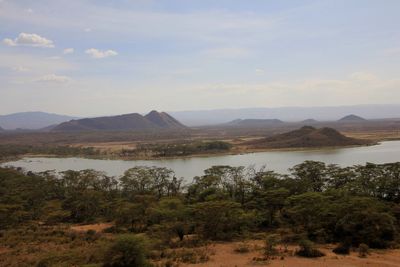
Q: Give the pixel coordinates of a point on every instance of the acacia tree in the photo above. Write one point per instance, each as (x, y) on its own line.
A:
(149, 180)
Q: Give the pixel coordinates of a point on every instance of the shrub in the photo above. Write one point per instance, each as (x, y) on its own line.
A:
(342, 249)
(128, 250)
(308, 250)
(270, 243)
(242, 248)
(363, 250)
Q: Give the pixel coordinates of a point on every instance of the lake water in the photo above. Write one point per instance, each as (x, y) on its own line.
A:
(279, 161)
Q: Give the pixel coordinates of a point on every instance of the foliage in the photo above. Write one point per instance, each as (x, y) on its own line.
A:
(308, 250)
(128, 250)
(317, 202)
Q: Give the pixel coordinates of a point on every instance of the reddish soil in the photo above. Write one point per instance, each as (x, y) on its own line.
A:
(225, 256)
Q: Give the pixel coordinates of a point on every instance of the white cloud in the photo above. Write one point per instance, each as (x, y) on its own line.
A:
(95, 53)
(9, 42)
(259, 71)
(29, 39)
(68, 51)
(20, 69)
(52, 78)
(87, 29)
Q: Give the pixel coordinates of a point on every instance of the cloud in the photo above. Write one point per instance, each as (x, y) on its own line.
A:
(52, 78)
(20, 69)
(87, 29)
(29, 39)
(259, 71)
(68, 51)
(95, 53)
(9, 42)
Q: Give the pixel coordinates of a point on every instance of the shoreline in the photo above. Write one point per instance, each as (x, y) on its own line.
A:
(233, 152)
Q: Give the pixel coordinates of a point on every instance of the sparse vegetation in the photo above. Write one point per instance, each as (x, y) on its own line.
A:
(308, 250)
(357, 207)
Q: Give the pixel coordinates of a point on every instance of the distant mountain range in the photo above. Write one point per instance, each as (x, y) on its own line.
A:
(288, 114)
(126, 122)
(42, 120)
(307, 136)
(254, 122)
(31, 120)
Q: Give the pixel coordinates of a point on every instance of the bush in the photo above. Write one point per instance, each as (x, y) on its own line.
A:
(270, 245)
(308, 250)
(363, 250)
(128, 250)
(242, 248)
(342, 249)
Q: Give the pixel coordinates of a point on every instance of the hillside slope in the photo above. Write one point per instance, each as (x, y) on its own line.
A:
(352, 118)
(307, 136)
(163, 120)
(126, 122)
(31, 120)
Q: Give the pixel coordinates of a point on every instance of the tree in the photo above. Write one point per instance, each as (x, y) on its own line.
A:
(365, 220)
(312, 174)
(127, 251)
(220, 219)
(149, 180)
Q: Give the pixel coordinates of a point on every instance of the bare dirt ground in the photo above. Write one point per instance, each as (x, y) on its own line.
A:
(98, 227)
(225, 256)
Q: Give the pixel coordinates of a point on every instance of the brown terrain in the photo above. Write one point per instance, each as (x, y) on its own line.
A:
(225, 256)
(305, 137)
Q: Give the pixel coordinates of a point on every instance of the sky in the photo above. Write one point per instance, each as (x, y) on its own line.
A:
(103, 57)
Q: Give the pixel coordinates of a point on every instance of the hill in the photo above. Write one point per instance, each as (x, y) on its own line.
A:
(31, 120)
(254, 122)
(163, 120)
(352, 118)
(126, 122)
(309, 121)
(218, 116)
(307, 136)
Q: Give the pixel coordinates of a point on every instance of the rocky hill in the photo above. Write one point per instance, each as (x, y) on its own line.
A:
(307, 136)
(309, 121)
(126, 122)
(352, 118)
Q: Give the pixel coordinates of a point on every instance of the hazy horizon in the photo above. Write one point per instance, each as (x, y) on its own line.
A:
(92, 58)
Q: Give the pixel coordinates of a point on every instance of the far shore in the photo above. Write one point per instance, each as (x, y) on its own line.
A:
(235, 151)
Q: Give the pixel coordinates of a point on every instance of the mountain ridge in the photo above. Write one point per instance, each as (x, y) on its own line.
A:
(124, 122)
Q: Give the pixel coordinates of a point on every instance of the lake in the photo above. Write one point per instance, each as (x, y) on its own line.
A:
(279, 161)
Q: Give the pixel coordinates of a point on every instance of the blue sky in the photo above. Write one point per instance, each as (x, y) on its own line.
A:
(90, 58)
